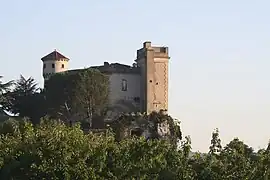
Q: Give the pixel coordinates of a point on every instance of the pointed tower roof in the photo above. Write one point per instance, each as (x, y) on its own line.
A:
(55, 55)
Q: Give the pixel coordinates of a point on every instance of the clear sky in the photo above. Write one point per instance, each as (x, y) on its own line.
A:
(220, 53)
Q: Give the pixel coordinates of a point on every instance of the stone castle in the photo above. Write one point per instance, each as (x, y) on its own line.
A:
(141, 87)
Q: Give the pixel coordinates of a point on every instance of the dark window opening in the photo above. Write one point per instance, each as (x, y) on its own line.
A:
(53, 65)
(63, 66)
(136, 132)
(157, 83)
(163, 49)
(124, 85)
(44, 66)
(137, 99)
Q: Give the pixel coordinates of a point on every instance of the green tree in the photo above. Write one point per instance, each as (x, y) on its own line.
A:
(26, 100)
(53, 150)
(91, 93)
(215, 143)
(237, 160)
(209, 166)
(59, 94)
(25, 86)
(4, 88)
(77, 95)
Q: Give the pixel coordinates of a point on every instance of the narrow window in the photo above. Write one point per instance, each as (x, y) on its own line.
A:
(124, 85)
(44, 66)
(63, 66)
(52, 65)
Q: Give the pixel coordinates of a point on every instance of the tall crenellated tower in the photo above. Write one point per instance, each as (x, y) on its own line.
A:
(153, 62)
(54, 63)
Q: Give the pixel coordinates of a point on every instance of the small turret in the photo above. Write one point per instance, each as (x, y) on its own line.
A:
(53, 63)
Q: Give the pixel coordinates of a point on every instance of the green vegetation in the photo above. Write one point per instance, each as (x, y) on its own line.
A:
(53, 137)
(53, 150)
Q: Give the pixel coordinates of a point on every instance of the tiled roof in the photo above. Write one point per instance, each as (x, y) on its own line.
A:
(55, 55)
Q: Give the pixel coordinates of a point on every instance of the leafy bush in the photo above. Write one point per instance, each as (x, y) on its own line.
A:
(52, 150)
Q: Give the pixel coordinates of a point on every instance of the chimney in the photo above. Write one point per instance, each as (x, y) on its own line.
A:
(147, 44)
(106, 64)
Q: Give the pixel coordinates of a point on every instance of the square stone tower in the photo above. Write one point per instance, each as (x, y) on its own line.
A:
(153, 62)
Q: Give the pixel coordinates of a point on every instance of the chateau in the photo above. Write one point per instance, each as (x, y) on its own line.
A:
(140, 87)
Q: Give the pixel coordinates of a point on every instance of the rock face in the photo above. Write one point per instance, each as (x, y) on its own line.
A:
(163, 129)
(137, 124)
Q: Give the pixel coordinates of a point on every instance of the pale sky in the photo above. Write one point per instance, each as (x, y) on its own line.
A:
(220, 53)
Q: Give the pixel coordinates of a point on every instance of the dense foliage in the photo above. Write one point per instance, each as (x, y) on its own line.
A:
(53, 150)
(4, 87)
(77, 95)
(69, 96)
